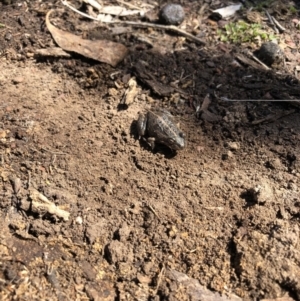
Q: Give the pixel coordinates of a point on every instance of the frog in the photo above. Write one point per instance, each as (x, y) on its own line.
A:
(158, 126)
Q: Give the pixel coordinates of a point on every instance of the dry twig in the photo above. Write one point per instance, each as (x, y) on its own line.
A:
(40, 204)
(159, 280)
(272, 117)
(271, 21)
(280, 27)
(152, 209)
(250, 54)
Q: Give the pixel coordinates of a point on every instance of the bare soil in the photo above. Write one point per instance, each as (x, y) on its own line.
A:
(224, 211)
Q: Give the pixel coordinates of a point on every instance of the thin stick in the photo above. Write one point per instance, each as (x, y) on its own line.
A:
(271, 21)
(152, 209)
(260, 62)
(29, 180)
(273, 117)
(131, 5)
(164, 27)
(280, 27)
(141, 24)
(159, 280)
(249, 53)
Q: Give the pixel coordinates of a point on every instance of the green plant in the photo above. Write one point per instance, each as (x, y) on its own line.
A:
(293, 9)
(242, 32)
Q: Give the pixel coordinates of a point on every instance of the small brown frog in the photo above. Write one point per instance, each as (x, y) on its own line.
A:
(159, 127)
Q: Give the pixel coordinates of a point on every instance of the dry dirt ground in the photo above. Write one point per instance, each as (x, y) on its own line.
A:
(128, 220)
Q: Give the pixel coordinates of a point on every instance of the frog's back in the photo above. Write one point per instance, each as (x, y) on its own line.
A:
(161, 125)
(160, 121)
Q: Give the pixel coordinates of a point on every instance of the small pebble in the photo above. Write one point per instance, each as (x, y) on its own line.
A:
(3, 134)
(8, 36)
(292, 186)
(78, 220)
(227, 155)
(210, 64)
(172, 14)
(18, 80)
(233, 145)
(29, 54)
(17, 184)
(143, 279)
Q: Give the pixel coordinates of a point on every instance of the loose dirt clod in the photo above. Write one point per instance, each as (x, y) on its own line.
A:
(187, 288)
(16, 184)
(130, 93)
(18, 80)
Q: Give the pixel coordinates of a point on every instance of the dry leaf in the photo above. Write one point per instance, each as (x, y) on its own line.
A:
(101, 50)
(228, 11)
(205, 104)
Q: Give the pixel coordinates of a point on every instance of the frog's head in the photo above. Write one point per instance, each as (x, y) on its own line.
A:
(179, 143)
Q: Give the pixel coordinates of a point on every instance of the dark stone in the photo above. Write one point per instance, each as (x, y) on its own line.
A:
(172, 14)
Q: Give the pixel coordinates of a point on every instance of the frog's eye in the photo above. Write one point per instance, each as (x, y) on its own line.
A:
(182, 135)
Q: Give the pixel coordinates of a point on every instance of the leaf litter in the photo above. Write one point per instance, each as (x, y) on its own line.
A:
(100, 50)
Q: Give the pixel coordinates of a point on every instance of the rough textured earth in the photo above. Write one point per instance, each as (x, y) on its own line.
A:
(89, 212)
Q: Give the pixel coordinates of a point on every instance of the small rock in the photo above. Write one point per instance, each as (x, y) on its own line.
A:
(20, 134)
(210, 64)
(126, 270)
(118, 252)
(274, 164)
(16, 184)
(78, 220)
(143, 279)
(259, 194)
(270, 53)
(150, 99)
(148, 267)
(227, 155)
(29, 54)
(8, 36)
(102, 291)
(18, 80)
(172, 14)
(172, 232)
(113, 92)
(124, 232)
(292, 186)
(193, 289)
(3, 134)
(233, 145)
